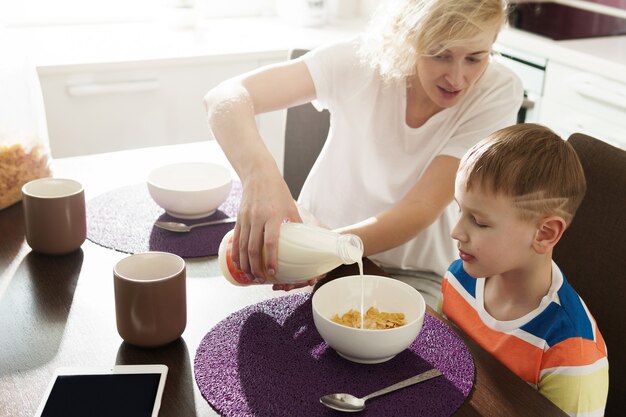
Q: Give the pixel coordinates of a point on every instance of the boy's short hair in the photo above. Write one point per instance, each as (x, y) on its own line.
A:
(531, 164)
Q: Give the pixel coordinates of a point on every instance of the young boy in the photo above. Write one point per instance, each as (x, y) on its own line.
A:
(517, 192)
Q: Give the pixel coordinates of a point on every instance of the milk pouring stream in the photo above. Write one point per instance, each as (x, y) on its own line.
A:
(304, 252)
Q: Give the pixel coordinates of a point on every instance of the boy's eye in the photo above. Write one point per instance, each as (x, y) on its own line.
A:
(477, 223)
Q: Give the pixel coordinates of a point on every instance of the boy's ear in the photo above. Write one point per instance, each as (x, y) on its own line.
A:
(549, 232)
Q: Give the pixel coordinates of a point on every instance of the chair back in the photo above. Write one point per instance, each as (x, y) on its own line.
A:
(306, 130)
(592, 254)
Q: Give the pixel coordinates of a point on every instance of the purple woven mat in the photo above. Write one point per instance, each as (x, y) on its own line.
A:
(269, 360)
(123, 219)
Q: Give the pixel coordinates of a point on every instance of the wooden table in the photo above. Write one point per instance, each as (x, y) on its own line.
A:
(59, 311)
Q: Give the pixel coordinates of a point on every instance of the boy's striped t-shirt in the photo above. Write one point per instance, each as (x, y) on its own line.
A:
(557, 347)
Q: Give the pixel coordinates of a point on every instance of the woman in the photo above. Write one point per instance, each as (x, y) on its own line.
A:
(407, 100)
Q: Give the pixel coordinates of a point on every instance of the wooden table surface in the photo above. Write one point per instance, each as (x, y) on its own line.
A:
(59, 311)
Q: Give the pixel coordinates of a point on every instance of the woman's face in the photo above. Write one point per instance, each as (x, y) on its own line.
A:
(446, 76)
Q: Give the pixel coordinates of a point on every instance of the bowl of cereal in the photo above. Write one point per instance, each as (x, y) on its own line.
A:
(394, 314)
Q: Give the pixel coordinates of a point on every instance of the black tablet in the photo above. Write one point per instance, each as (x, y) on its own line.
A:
(124, 390)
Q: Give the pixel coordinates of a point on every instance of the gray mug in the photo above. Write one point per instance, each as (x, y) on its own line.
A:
(54, 215)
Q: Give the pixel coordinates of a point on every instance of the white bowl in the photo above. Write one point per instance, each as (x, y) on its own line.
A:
(386, 294)
(190, 190)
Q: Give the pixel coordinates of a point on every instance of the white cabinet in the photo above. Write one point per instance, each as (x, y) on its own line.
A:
(579, 101)
(92, 108)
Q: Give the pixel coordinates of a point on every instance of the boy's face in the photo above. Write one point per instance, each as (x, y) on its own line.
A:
(492, 238)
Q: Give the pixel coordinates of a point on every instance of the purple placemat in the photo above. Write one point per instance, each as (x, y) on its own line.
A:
(269, 360)
(123, 219)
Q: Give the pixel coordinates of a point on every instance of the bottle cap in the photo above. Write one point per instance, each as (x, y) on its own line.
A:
(231, 273)
(350, 248)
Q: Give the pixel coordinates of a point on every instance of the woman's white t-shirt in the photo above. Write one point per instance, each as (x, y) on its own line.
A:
(371, 158)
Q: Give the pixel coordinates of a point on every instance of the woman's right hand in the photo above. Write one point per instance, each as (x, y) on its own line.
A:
(266, 201)
(265, 204)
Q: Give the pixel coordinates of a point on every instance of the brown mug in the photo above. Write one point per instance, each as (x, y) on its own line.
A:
(54, 215)
(150, 298)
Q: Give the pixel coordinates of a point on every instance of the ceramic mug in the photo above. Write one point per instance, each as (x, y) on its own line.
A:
(150, 298)
(54, 215)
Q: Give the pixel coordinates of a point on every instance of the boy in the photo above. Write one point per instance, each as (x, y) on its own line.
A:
(517, 192)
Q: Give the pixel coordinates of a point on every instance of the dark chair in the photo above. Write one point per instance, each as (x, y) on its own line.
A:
(592, 254)
(305, 133)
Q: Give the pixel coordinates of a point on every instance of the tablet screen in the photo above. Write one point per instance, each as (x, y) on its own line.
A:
(103, 395)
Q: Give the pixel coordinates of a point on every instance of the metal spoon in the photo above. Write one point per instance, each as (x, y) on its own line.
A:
(182, 227)
(350, 403)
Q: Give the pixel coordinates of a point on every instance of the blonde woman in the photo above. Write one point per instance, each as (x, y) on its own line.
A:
(407, 99)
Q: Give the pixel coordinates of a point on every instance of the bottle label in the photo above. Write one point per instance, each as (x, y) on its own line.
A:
(238, 275)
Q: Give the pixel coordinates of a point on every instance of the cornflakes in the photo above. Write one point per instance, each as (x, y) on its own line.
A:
(18, 166)
(374, 319)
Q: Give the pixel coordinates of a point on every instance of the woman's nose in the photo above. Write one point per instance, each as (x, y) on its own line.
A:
(454, 75)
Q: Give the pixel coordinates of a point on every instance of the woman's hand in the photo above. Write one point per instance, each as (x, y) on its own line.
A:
(308, 218)
(266, 200)
(266, 203)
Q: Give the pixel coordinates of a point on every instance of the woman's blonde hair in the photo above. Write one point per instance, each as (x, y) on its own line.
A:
(530, 164)
(402, 30)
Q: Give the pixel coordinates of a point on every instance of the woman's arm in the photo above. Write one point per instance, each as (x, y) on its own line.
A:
(419, 208)
(266, 200)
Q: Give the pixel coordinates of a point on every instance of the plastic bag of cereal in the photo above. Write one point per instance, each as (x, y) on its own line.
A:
(24, 145)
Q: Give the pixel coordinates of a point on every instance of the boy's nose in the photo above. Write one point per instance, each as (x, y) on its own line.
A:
(457, 232)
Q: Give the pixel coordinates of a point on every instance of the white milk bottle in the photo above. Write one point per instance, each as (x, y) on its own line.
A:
(304, 252)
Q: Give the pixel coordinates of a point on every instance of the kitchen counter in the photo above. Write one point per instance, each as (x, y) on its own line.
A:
(53, 49)
(605, 56)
